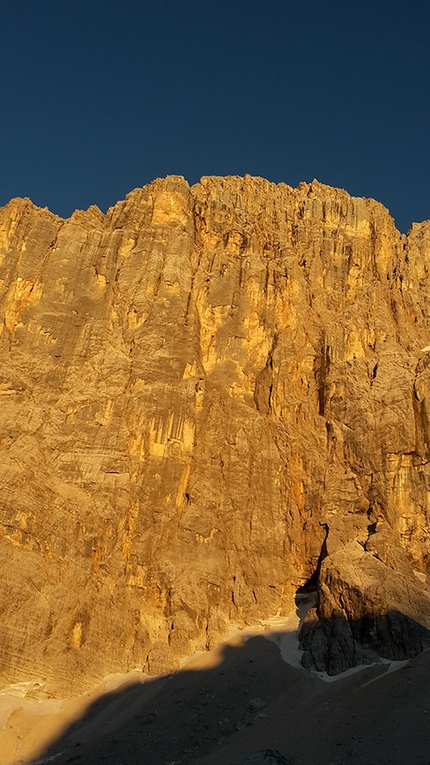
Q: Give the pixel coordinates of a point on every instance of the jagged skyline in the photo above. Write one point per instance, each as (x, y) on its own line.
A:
(103, 97)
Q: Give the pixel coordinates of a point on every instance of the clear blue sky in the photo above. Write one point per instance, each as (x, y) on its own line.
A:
(100, 96)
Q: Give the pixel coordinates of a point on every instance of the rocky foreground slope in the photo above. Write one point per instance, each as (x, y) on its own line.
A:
(208, 716)
(211, 397)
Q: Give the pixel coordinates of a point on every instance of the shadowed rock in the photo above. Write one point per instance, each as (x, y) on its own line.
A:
(365, 611)
(267, 757)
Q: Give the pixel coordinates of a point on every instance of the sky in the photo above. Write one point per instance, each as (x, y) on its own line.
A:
(98, 97)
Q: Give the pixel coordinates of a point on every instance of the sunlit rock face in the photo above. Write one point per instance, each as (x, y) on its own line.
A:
(203, 392)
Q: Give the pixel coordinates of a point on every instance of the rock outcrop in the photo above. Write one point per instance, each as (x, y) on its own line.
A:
(209, 396)
(365, 611)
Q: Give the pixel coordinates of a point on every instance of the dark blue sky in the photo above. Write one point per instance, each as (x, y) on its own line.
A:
(100, 96)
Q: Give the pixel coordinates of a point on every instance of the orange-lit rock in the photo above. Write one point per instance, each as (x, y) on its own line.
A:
(195, 388)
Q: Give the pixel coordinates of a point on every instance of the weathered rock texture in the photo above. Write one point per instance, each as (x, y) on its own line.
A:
(204, 392)
(267, 757)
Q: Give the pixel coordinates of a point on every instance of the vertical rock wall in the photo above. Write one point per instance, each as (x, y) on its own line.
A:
(200, 391)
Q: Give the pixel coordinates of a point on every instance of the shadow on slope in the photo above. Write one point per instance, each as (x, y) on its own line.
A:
(216, 716)
(180, 717)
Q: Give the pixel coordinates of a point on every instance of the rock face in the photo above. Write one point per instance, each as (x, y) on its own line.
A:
(365, 611)
(209, 396)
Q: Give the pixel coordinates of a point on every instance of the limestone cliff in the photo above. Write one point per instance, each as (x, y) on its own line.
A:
(207, 394)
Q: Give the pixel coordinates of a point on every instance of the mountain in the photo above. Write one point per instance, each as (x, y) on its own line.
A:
(213, 398)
